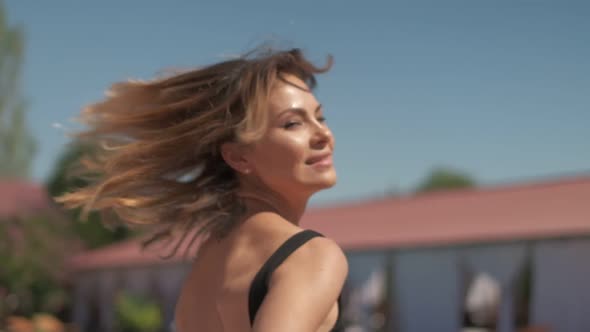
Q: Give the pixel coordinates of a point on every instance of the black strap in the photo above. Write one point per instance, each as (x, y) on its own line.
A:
(259, 286)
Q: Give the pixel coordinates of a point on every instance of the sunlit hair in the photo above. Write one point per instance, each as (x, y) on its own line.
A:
(157, 144)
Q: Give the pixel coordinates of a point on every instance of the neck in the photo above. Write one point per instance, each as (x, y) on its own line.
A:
(290, 209)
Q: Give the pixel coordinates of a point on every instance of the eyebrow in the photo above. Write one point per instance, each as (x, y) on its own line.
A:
(300, 110)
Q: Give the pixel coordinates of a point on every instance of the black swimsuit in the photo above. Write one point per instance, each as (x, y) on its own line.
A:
(259, 286)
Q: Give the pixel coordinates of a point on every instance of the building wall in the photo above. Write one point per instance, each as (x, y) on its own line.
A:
(427, 291)
(95, 293)
(426, 288)
(561, 296)
(411, 290)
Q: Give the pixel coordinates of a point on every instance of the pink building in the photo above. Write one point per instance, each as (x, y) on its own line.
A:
(20, 197)
(414, 261)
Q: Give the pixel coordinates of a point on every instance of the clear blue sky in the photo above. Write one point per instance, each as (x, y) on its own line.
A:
(499, 89)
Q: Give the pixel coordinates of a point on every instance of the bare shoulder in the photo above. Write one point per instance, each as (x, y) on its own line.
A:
(304, 289)
(281, 229)
(318, 255)
(271, 227)
(320, 260)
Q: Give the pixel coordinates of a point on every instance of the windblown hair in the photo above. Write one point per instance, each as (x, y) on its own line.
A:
(157, 158)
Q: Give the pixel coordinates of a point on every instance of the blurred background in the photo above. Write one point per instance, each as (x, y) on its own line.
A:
(463, 152)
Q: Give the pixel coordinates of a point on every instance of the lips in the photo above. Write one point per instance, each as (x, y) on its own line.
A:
(320, 158)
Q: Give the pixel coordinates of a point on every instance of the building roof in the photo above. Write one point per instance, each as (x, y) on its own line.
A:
(126, 254)
(530, 211)
(19, 197)
(513, 212)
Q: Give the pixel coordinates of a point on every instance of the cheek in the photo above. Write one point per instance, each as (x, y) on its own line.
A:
(332, 140)
(281, 154)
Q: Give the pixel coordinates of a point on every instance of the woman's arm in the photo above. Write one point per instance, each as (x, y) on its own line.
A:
(303, 289)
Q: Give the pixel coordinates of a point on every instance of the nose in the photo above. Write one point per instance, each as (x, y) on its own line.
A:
(322, 136)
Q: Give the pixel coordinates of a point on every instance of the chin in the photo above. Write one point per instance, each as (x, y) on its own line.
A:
(325, 182)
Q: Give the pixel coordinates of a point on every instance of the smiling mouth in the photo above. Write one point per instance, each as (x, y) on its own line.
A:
(324, 160)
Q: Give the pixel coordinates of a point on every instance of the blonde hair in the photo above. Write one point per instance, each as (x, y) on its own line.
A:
(156, 158)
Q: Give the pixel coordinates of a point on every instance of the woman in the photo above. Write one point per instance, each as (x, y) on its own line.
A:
(234, 151)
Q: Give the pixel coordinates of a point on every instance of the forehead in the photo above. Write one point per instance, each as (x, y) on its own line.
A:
(291, 92)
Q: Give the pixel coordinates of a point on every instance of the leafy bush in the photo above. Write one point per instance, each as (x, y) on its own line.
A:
(137, 314)
(32, 250)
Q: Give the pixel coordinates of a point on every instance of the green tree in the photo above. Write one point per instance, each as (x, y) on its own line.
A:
(16, 144)
(92, 232)
(445, 179)
(32, 251)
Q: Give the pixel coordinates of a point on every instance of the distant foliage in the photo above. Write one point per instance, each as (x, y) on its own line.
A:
(32, 251)
(445, 179)
(16, 144)
(137, 314)
(92, 232)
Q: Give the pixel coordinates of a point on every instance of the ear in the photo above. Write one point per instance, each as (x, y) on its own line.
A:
(234, 155)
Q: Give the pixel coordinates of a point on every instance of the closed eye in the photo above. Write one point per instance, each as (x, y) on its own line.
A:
(291, 124)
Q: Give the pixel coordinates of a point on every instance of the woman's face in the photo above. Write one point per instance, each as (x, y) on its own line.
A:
(295, 154)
